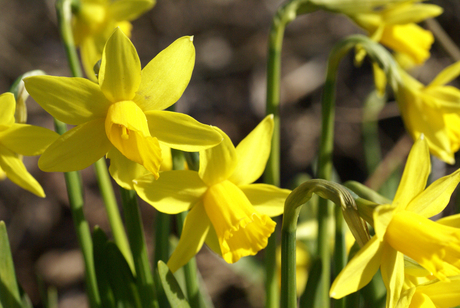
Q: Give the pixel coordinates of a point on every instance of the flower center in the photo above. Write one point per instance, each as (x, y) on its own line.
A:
(127, 129)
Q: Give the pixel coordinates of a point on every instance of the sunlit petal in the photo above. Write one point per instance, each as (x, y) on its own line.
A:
(27, 139)
(359, 271)
(415, 174)
(392, 269)
(17, 172)
(266, 199)
(77, 149)
(120, 72)
(442, 294)
(173, 192)
(165, 78)
(194, 233)
(436, 197)
(180, 131)
(253, 152)
(219, 162)
(71, 100)
(446, 75)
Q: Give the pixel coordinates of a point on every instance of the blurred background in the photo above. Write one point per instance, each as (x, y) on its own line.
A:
(227, 90)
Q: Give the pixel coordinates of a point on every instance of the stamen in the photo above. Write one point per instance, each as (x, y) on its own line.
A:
(124, 132)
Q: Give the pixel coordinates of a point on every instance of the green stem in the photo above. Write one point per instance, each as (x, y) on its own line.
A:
(64, 14)
(113, 213)
(75, 194)
(135, 230)
(284, 16)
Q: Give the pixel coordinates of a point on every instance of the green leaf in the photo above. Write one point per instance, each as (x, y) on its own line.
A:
(9, 290)
(100, 263)
(120, 278)
(171, 286)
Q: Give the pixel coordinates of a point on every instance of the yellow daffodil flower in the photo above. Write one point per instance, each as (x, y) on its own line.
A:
(122, 115)
(20, 139)
(94, 22)
(395, 27)
(226, 210)
(433, 110)
(403, 228)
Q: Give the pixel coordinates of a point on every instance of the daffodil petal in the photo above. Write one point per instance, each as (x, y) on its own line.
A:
(442, 294)
(392, 269)
(412, 13)
(8, 105)
(124, 170)
(27, 139)
(406, 298)
(129, 9)
(415, 175)
(420, 300)
(253, 152)
(436, 197)
(166, 158)
(219, 162)
(173, 192)
(71, 100)
(77, 149)
(194, 233)
(120, 72)
(165, 78)
(382, 216)
(446, 75)
(266, 199)
(451, 221)
(15, 170)
(180, 131)
(359, 271)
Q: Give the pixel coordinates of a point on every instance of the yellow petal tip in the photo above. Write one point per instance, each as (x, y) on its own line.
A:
(191, 38)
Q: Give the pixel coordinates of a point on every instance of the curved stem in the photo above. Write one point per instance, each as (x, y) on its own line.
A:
(299, 196)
